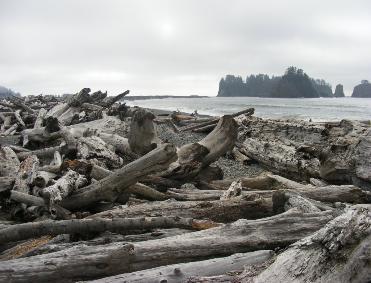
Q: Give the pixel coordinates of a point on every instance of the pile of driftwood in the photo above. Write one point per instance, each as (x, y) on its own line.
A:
(89, 192)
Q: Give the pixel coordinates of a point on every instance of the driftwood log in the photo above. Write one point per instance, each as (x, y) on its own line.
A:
(183, 272)
(116, 258)
(112, 186)
(340, 252)
(339, 152)
(84, 226)
(192, 158)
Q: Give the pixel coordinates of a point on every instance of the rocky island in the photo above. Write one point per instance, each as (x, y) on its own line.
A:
(295, 83)
(362, 90)
(91, 189)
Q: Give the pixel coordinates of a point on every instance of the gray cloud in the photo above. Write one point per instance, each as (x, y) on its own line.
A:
(178, 47)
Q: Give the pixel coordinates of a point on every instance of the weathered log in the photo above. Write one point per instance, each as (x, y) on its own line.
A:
(146, 192)
(248, 112)
(40, 135)
(63, 242)
(26, 174)
(116, 258)
(113, 185)
(11, 129)
(63, 187)
(317, 182)
(339, 252)
(95, 147)
(9, 163)
(40, 118)
(109, 101)
(183, 272)
(218, 211)
(24, 231)
(283, 201)
(329, 194)
(192, 158)
(40, 153)
(262, 182)
(142, 135)
(43, 179)
(119, 143)
(338, 153)
(233, 191)
(19, 118)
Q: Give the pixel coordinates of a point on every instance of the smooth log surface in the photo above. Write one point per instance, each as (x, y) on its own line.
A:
(182, 272)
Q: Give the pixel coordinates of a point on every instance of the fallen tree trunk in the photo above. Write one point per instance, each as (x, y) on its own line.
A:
(25, 231)
(249, 112)
(339, 252)
(337, 152)
(218, 211)
(116, 258)
(192, 158)
(113, 185)
(183, 272)
(63, 187)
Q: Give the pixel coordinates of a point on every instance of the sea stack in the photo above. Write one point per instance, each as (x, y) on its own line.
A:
(362, 90)
(339, 91)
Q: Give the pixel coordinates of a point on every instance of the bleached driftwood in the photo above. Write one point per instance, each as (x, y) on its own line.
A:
(339, 252)
(63, 187)
(116, 258)
(9, 162)
(183, 272)
(26, 174)
(192, 158)
(18, 232)
(113, 185)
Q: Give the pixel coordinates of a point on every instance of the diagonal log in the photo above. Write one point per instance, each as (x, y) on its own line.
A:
(339, 252)
(113, 185)
(192, 158)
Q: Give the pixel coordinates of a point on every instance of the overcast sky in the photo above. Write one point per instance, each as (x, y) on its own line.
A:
(178, 47)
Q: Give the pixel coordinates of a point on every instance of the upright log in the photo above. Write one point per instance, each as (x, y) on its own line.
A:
(142, 135)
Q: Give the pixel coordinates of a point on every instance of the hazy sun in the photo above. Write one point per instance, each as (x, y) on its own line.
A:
(167, 30)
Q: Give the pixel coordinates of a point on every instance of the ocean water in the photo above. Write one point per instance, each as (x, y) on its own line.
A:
(317, 109)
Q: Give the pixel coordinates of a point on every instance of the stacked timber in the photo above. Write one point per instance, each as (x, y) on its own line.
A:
(90, 192)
